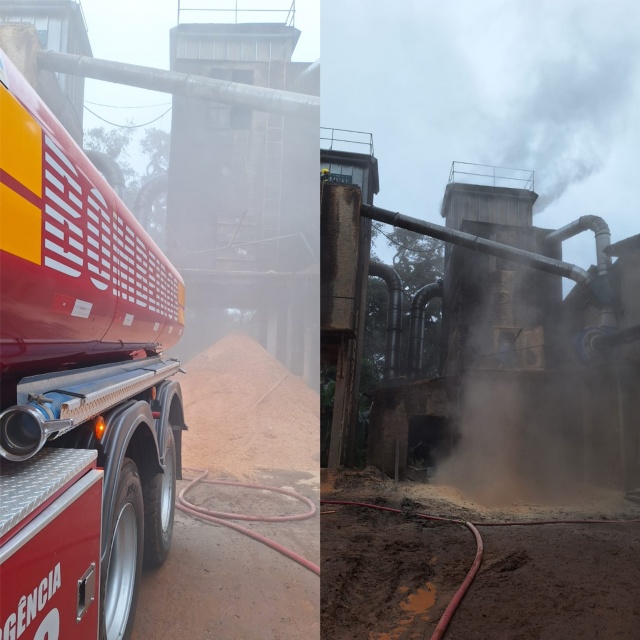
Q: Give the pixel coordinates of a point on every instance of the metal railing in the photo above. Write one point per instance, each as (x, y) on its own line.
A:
(289, 20)
(348, 141)
(488, 175)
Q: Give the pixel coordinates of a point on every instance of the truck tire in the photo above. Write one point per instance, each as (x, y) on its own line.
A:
(121, 580)
(159, 508)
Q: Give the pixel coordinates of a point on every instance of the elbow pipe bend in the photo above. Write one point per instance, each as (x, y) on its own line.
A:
(416, 326)
(394, 316)
(600, 286)
(602, 234)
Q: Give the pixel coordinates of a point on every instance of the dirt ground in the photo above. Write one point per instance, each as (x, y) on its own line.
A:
(390, 577)
(249, 420)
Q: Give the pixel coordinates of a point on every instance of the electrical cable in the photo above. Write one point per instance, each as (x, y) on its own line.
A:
(119, 106)
(451, 608)
(127, 126)
(222, 517)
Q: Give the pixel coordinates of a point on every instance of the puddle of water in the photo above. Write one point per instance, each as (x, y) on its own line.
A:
(416, 605)
(419, 603)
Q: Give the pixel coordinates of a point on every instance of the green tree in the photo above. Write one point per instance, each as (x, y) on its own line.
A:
(115, 143)
(156, 145)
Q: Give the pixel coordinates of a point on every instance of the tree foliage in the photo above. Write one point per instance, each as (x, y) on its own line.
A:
(115, 143)
(154, 146)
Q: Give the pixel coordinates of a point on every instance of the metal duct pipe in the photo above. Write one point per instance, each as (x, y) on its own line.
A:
(149, 191)
(630, 334)
(477, 243)
(603, 262)
(601, 230)
(192, 86)
(394, 316)
(416, 326)
(110, 169)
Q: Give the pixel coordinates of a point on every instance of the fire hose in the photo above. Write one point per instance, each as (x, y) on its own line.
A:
(223, 518)
(446, 617)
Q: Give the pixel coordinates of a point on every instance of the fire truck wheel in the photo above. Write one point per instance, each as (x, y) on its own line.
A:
(124, 565)
(159, 508)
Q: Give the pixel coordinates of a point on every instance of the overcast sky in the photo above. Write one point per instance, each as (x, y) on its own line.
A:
(137, 32)
(550, 86)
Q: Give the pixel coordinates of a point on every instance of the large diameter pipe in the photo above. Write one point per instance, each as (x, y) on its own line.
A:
(603, 262)
(193, 86)
(394, 316)
(630, 334)
(477, 243)
(416, 326)
(599, 227)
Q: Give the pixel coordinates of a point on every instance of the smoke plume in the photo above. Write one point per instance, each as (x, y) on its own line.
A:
(576, 86)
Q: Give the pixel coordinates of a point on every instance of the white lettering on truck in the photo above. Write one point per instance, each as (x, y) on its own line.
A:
(100, 244)
(30, 605)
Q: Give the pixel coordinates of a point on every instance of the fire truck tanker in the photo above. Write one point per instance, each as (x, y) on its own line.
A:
(90, 417)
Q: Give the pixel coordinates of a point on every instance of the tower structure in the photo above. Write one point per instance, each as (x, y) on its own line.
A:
(242, 217)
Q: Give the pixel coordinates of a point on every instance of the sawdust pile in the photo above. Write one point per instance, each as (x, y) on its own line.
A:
(246, 412)
(371, 485)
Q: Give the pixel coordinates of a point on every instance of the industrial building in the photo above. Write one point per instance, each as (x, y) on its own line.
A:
(241, 190)
(537, 385)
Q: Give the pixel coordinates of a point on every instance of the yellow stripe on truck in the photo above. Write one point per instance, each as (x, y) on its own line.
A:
(20, 226)
(21, 140)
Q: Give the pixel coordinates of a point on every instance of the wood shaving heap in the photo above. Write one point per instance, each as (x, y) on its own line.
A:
(246, 412)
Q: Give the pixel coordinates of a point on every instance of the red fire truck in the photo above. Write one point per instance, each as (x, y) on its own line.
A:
(90, 417)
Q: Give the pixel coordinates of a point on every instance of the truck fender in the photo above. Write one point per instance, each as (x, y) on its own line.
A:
(169, 401)
(128, 426)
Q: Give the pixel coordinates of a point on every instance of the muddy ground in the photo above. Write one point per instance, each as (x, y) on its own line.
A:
(390, 577)
(249, 420)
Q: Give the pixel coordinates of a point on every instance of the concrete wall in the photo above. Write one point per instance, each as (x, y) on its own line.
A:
(543, 431)
(390, 414)
(497, 205)
(340, 259)
(497, 313)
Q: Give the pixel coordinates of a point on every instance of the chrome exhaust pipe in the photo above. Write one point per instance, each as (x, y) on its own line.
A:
(25, 428)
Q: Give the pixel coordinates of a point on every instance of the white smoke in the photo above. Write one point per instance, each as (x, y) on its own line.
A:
(576, 87)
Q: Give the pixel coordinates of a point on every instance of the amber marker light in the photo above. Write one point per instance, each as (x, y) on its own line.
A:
(99, 427)
(153, 393)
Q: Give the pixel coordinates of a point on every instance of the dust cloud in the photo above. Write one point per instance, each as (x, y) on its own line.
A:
(242, 202)
(521, 440)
